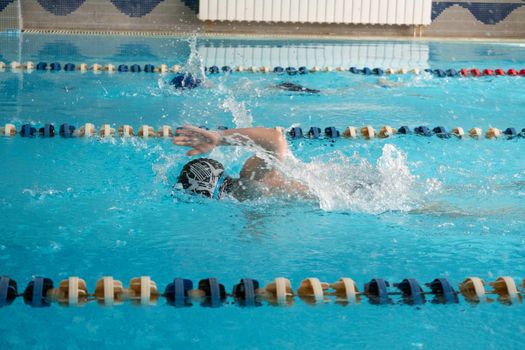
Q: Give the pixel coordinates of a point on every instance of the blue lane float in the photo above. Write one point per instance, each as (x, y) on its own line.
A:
(47, 130)
(452, 72)
(422, 131)
(66, 130)
(510, 133)
(278, 69)
(245, 293)
(214, 292)
(314, 132)
(55, 66)
(135, 68)
(303, 70)
(443, 291)
(332, 132)
(36, 292)
(8, 291)
(291, 71)
(123, 68)
(27, 131)
(41, 66)
(70, 67)
(440, 73)
(213, 70)
(404, 130)
(441, 132)
(177, 292)
(149, 68)
(411, 291)
(377, 291)
(296, 133)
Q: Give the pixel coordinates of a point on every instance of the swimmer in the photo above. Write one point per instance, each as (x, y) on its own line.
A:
(386, 83)
(257, 178)
(287, 86)
(185, 81)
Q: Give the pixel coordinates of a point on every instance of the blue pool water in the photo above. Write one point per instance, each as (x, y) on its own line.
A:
(435, 208)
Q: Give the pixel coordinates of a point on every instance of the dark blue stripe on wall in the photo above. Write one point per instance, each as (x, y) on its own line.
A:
(61, 7)
(136, 8)
(487, 13)
(192, 4)
(4, 3)
(439, 7)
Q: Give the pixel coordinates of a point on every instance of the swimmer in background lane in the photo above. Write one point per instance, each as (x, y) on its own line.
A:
(287, 86)
(188, 81)
(381, 82)
(386, 83)
(258, 177)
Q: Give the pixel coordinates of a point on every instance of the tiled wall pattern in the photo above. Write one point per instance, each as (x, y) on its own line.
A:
(125, 15)
(485, 12)
(504, 18)
(132, 8)
(9, 15)
(476, 18)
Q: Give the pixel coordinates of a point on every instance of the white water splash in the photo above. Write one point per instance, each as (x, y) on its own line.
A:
(227, 101)
(242, 118)
(352, 183)
(194, 66)
(195, 63)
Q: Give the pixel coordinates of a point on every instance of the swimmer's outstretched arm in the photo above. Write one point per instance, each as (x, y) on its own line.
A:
(203, 141)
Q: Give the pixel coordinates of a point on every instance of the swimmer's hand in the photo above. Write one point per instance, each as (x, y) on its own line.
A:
(201, 140)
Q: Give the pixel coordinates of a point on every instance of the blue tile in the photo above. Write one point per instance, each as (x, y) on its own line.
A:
(136, 8)
(487, 13)
(4, 3)
(61, 7)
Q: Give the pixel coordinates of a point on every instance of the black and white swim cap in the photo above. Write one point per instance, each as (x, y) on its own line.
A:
(205, 176)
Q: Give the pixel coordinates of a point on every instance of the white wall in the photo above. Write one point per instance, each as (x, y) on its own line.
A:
(398, 12)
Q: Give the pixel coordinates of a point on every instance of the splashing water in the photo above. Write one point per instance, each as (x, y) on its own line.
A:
(195, 64)
(241, 116)
(352, 183)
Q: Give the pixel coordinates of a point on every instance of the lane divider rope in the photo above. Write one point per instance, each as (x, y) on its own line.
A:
(29, 66)
(41, 292)
(294, 133)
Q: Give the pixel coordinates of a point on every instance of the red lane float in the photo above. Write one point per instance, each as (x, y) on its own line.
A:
(512, 72)
(499, 71)
(488, 71)
(522, 72)
(464, 72)
(475, 72)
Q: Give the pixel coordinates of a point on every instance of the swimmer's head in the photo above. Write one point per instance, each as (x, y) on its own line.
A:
(206, 177)
(185, 81)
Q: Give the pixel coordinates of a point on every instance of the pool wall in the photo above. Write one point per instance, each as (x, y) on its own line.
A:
(479, 19)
